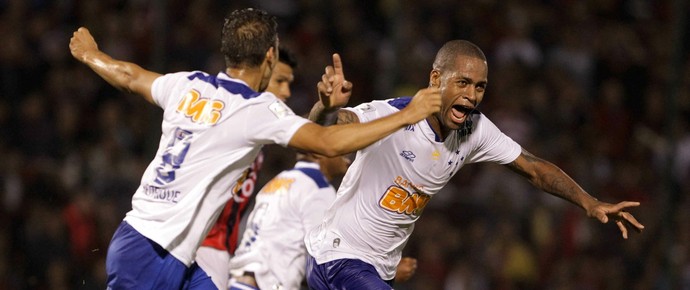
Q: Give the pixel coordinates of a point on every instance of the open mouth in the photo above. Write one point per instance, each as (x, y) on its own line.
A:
(460, 113)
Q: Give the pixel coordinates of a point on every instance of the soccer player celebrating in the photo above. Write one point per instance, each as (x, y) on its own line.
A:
(390, 182)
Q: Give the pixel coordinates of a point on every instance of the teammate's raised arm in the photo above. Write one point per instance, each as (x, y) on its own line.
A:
(125, 76)
(334, 93)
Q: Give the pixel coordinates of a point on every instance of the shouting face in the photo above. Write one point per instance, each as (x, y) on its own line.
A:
(462, 85)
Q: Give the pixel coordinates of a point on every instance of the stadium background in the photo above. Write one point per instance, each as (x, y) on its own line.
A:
(600, 88)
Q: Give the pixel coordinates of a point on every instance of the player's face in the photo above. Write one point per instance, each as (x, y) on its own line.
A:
(462, 89)
(280, 81)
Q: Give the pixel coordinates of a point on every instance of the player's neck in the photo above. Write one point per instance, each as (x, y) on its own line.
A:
(438, 128)
(251, 76)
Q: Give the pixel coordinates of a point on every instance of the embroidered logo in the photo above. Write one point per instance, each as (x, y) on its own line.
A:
(408, 155)
(435, 155)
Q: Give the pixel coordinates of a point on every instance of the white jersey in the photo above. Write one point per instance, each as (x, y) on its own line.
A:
(390, 182)
(272, 246)
(213, 127)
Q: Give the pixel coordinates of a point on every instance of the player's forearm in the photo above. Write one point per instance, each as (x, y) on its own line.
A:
(345, 138)
(117, 73)
(553, 180)
(125, 76)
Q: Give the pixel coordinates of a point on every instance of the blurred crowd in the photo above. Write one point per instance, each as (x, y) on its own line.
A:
(600, 88)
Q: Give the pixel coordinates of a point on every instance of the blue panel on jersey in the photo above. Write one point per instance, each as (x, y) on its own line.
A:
(233, 87)
(400, 102)
(315, 175)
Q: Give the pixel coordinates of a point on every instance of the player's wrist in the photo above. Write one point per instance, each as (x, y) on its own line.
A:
(410, 116)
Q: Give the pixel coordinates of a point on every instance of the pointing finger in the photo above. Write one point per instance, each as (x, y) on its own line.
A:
(337, 64)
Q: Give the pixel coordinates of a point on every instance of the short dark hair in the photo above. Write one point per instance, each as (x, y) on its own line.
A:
(246, 36)
(452, 49)
(287, 57)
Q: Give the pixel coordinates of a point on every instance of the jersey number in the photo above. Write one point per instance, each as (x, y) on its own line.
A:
(173, 156)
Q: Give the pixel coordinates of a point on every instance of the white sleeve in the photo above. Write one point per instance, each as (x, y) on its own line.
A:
(493, 145)
(371, 111)
(165, 86)
(272, 122)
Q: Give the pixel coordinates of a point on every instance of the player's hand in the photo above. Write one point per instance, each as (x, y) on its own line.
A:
(425, 103)
(406, 269)
(81, 43)
(605, 211)
(334, 90)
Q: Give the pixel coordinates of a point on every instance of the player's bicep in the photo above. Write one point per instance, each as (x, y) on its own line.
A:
(142, 82)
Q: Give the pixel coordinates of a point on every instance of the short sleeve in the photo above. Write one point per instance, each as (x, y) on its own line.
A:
(165, 86)
(493, 145)
(272, 122)
(371, 111)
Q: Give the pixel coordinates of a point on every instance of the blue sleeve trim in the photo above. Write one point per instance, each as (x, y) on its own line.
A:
(400, 102)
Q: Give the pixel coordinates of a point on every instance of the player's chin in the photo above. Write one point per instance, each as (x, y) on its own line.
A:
(454, 125)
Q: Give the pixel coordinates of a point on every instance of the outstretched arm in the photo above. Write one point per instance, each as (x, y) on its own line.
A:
(548, 177)
(125, 76)
(345, 138)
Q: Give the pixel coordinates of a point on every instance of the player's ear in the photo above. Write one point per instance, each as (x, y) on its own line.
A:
(271, 56)
(434, 79)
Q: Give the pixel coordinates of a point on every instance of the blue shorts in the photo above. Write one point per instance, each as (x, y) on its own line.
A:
(344, 274)
(136, 262)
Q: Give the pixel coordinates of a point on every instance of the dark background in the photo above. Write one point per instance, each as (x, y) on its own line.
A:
(600, 88)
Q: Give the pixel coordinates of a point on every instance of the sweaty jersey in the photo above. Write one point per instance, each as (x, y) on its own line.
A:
(390, 182)
(272, 246)
(213, 128)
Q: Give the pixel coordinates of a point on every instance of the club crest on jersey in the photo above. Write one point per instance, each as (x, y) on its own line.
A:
(279, 109)
(200, 110)
(408, 155)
